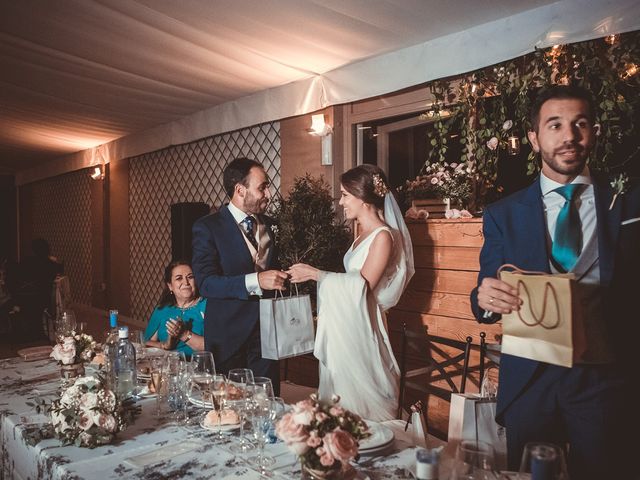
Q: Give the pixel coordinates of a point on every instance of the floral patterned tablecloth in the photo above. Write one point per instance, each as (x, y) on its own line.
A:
(152, 448)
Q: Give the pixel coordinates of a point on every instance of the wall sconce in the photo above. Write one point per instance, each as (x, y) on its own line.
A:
(97, 173)
(320, 129)
(513, 145)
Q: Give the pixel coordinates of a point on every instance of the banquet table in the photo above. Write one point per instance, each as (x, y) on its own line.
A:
(151, 448)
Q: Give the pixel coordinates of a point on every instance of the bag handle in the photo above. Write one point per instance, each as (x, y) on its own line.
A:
(547, 288)
(519, 270)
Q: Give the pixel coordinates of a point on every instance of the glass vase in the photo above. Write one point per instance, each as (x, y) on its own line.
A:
(72, 371)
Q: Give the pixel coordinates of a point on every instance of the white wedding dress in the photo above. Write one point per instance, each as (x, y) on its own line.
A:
(352, 344)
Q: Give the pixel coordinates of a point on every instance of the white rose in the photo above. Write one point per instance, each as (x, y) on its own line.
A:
(492, 144)
(64, 355)
(86, 420)
(70, 396)
(88, 400)
(507, 125)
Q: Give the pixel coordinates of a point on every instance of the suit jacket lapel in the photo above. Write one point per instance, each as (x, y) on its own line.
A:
(237, 239)
(608, 226)
(533, 229)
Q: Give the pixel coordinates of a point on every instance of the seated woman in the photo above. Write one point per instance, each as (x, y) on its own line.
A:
(177, 323)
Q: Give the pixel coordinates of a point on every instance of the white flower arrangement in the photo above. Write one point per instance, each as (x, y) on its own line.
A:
(76, 348)
(89, 414)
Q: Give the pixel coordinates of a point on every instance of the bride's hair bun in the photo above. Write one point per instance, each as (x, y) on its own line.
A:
(366, 182)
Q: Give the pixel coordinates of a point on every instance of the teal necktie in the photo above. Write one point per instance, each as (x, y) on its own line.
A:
(567, 239)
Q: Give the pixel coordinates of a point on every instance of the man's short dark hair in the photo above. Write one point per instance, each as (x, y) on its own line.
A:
(237, 172)
(561, 92)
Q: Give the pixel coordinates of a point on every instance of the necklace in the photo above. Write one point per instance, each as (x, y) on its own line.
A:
(187, 305)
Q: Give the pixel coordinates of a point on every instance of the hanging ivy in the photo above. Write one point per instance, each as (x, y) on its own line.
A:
(488, 106)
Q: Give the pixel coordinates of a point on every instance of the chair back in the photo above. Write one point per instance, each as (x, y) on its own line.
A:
(443, 364)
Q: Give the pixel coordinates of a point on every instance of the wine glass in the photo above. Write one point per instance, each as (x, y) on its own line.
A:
(219, 390)
(264, 413)
(202, 370)
(265, 384)
(156, 366)
(239, 399)
(65, 324)
(543, 460)
(473, 461)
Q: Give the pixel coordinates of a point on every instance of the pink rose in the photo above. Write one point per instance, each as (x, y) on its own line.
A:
(336, 411)
(341, 445)
(434, 180)
(314, 440)
(293, 434)
(492, 144)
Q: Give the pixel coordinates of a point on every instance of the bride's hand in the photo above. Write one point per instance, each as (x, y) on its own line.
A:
(301, 272)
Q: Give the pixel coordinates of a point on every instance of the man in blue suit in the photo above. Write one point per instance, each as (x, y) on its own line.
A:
(568, 221)
(235, 262)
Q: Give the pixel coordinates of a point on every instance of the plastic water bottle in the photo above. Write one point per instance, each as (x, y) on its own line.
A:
(125, 365)
(110, 347)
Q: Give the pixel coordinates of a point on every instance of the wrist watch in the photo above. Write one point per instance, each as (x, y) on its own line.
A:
(189, 335)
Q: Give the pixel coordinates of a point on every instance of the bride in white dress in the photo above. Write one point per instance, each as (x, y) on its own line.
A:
(352, 343)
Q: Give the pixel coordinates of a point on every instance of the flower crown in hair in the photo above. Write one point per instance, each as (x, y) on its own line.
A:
(379, 187)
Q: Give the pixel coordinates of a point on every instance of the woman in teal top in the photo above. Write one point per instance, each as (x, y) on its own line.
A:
(177, 323)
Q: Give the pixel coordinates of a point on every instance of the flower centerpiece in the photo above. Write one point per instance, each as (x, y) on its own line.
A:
(72, 351)
(89, 414)
(324, 435)
(450, 183)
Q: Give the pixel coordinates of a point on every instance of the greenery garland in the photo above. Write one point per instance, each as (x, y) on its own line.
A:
(488, 106)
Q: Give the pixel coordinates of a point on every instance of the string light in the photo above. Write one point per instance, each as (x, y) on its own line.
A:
(611, 39)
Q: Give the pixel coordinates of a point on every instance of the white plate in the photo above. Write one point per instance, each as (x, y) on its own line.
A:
(223, 428)
(381, 437)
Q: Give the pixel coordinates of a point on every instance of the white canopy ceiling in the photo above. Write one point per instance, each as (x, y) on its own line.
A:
(75, 74)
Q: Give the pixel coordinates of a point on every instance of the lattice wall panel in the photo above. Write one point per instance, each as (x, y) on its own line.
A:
(185, 173)
(62, 216)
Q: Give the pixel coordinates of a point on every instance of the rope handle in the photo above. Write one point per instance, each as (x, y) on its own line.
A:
(290, 294)
(547, 288)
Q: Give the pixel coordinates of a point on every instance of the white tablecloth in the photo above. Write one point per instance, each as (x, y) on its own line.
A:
(149, 449)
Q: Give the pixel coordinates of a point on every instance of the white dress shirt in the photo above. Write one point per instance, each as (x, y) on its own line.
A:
(251, 279)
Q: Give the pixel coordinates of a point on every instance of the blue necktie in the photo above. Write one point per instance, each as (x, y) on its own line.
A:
(247, 225)
(567, 239)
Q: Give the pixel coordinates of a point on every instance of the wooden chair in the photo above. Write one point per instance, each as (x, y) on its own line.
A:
(444, 365)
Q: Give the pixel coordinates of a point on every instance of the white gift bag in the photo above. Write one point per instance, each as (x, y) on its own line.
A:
(286, 326)
(472, 417)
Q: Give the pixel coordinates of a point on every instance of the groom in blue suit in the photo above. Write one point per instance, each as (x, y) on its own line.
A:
(235, 262)
(569, 220)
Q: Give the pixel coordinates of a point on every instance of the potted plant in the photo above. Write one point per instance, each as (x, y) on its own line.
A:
(308, 230)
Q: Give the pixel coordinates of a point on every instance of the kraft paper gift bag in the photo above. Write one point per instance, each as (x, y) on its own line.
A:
(548, 327)
(286, 327)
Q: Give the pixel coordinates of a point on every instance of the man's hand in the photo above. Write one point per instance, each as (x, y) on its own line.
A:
(497, 296)
(272, 279)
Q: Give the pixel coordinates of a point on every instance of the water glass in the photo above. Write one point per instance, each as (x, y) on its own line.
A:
(263, 414)
(175, 377)
(474, 460)
(543, 461)
(156, 367)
